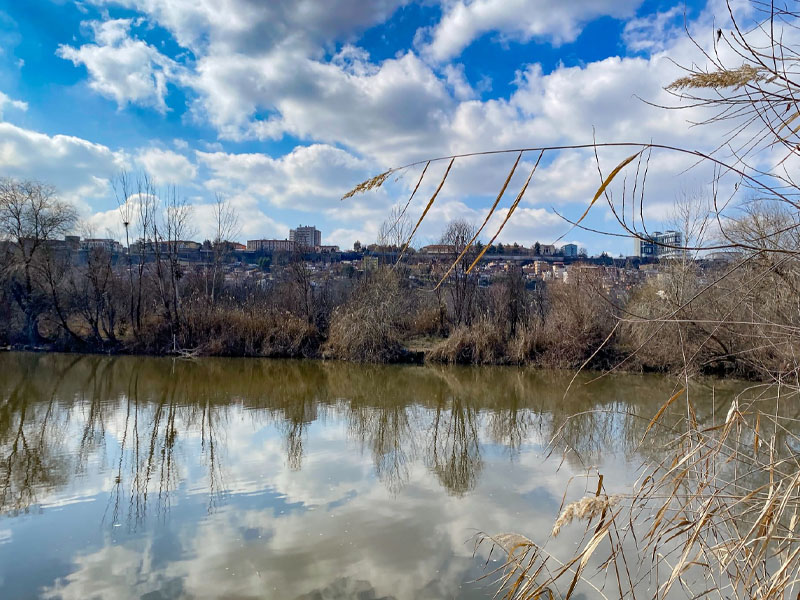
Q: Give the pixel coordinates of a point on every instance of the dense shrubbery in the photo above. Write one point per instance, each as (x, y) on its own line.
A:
(370, 326)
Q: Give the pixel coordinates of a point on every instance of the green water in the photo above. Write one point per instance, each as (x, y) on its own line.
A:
(133, 477)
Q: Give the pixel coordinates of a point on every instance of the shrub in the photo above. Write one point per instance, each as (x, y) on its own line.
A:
(369, 327)
(479, 343)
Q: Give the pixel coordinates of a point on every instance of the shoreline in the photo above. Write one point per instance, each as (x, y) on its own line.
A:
(414, 358)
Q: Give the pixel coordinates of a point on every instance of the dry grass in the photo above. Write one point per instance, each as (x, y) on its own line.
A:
(478, 344)
(716, 517)
(726, 78)
(249, 331)
(370, 326)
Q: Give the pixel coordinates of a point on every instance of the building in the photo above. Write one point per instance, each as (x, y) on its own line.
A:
(108, 245)
(438, 249)
(659, 244)
(544, 249)
(569, 250)
(540, 266)
(271, 245)
(73, 242)
(306, 236)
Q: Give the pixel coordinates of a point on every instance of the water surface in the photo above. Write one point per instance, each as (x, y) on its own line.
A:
(133, 477)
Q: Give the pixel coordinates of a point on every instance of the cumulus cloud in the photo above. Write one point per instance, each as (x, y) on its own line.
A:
(522, 20)
(654, 32)
(167, 166)
(310, 179)
(79, 169)
(127, 70)
(307, 178)
(254, 26)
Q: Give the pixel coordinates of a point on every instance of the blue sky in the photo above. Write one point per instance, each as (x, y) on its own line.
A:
(283, 106)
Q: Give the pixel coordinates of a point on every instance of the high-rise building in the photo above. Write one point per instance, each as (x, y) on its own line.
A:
(569, 250)
(306, 235)
(659, 244)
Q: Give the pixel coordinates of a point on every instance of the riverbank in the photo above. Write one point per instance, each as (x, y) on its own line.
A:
(387, 317)
(467, 347)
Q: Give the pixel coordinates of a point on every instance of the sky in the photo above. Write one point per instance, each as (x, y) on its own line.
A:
(283, 106)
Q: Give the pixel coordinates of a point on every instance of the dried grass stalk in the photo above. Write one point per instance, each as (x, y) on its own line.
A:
(726, 78)
(587, 508)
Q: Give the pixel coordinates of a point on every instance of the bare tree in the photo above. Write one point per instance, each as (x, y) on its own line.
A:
(461, 285)
(136, 200)
(226, 228)
(169, 233)
(31, 218)
(395, 230)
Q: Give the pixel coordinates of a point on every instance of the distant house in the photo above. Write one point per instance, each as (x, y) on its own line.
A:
(306, 236)
(109, 245)
(438, 249)
(540, 266)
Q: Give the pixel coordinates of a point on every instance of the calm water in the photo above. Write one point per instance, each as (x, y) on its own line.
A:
(152, 478)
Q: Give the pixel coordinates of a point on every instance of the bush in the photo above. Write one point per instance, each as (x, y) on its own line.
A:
(369, 327)
(576, 324)
(480, 343)
(250, 331)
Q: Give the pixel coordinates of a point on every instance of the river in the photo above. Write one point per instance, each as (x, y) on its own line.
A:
(140, 477)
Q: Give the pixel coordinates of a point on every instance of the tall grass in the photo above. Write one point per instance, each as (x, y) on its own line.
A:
(369, 327)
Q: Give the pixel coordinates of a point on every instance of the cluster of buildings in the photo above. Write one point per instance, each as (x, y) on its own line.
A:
(537, 249)
(303, 238)
(539, 263)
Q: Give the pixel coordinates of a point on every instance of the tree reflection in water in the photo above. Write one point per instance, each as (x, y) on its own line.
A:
(62, 415)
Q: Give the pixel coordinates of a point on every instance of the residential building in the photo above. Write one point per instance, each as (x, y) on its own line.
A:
(540, 266)
(109, 245)
(659, 245)
(306, 235)
(544, 249)
(438, 249)
(569, 250)
(271, 245)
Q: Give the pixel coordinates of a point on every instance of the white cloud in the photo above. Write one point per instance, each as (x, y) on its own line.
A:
(388, 112)
(309, 178)
(6, 102)
(167, 166)
(127, 70)
(253, 26)
(522, 20)
(79, 169)
(262, 71)
(653, 33)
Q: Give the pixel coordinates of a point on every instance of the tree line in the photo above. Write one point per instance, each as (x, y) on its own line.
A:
(148, 301)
